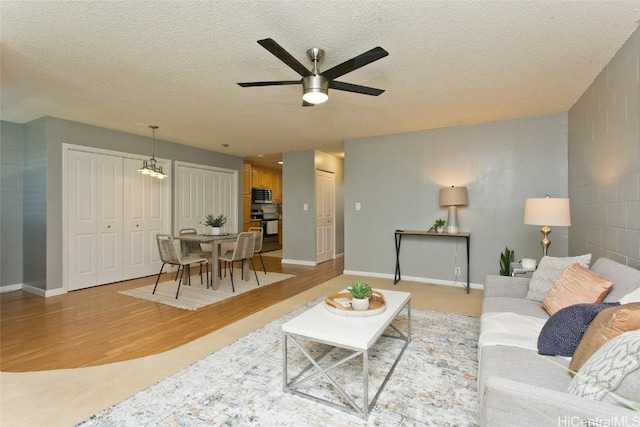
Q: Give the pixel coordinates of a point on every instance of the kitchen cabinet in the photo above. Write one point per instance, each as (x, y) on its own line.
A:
(246, 180)
(246, 211)
(276, 184)
(280, 233)
(257, 177)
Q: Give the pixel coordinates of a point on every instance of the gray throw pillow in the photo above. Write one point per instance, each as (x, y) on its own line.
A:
(548, 271)
(612, 374)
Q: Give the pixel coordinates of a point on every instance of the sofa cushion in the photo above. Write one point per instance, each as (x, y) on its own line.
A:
(631, 297)
(576, 285)
(523, 365)
(626, 279)
(607, 325)
(548, 271)
(563, 331)
(612, 374)
(514, 305)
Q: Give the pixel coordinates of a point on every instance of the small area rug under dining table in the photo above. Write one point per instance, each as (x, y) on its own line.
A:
(197, 295)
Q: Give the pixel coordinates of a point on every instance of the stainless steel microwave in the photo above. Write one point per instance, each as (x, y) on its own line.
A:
(261, 195)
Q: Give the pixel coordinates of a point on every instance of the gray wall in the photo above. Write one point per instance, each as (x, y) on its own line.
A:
(298, 189)
(35, 227)
(604, 161)
(10, 204)
(43, 189)
(396, 180)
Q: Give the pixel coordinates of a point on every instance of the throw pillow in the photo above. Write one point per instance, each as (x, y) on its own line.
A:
(562, 333)
(612, 374)
(548, 271)
(632, 297)
(576, 285)
(607, 325)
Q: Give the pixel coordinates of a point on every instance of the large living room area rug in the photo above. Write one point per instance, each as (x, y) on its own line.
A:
(434, 383)
(196, 296)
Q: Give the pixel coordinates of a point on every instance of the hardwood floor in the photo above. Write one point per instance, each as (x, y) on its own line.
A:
(98, 325)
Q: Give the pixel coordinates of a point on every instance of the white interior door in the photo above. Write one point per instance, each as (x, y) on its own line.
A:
(205, 191)
(325, 220)
(145, 215)
(94, 209)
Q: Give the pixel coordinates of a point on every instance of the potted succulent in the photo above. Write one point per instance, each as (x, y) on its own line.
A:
(360, 293)
(215, 222)
(438, 226)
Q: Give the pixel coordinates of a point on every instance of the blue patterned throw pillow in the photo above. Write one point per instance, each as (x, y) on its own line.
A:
(563, 331)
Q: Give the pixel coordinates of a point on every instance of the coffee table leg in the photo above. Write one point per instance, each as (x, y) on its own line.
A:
(365, 385)
(284, 363)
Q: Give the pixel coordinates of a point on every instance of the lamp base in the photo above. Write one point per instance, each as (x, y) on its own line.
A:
(452, 221)
(545, 242)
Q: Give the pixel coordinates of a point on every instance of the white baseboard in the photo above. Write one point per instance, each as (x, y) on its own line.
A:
(415, 279)
(10, 288)
(299, 262)
(33, 290)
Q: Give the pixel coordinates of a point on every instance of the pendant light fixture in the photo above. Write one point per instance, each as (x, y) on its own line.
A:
(149, 167)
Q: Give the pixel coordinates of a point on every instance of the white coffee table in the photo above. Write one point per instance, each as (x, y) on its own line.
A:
(356, 334)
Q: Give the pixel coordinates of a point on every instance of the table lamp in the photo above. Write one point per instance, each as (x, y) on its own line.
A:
(545, 212)
(452, 197)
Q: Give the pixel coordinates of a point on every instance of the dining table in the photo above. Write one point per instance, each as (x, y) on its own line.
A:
(216, 240)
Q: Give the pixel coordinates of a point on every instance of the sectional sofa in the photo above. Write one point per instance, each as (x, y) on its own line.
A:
(518, 386)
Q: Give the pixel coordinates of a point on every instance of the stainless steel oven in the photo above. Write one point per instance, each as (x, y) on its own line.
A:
(269, 226)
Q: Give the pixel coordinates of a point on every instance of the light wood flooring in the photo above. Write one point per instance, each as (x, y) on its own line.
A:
(98, 325)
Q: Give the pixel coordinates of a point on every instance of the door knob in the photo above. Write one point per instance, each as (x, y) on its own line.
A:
(108, 226)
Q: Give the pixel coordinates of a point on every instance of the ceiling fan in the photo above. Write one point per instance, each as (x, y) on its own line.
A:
(316, 84)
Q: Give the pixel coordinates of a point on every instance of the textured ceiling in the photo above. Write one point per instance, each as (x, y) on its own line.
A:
(126, 64)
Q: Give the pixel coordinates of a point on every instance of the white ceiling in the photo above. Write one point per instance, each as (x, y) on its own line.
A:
(126, 64)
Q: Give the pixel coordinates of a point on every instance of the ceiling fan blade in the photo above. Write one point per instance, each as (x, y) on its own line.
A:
(307, 104)
(350, 87)
(355, 63)
(276, 83)
(284, 56)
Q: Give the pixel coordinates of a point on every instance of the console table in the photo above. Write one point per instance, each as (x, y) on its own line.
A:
(419, 233)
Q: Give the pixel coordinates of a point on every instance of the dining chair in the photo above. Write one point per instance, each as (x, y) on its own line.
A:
(242, 252)
(169, 254)
(194, 248)
(257, 249)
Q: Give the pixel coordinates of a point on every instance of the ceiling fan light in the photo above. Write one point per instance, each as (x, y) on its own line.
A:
(315, 96)
(315, 89)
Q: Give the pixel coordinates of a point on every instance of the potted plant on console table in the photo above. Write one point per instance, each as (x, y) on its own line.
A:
(360, 293)
(215, 222)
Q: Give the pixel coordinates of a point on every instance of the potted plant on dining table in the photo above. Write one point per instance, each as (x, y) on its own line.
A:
(215, 222)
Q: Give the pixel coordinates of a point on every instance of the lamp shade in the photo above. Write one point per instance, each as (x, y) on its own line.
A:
(453, 196)
(547, 211)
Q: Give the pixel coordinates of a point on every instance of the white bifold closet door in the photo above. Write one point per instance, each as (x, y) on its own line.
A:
(94, 194)
(203, 190)
(113, 216)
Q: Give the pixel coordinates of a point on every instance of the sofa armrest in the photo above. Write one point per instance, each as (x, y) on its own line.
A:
(506, 286)
(509, 403)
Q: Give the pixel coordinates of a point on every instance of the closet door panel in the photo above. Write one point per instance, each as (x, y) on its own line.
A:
(109, 201)
(145, 216)
(94, 208)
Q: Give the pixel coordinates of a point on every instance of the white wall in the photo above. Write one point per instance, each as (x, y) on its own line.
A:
(396, 180)
(604, 161)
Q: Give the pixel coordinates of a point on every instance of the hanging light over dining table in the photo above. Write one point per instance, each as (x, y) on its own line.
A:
(149, 167)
